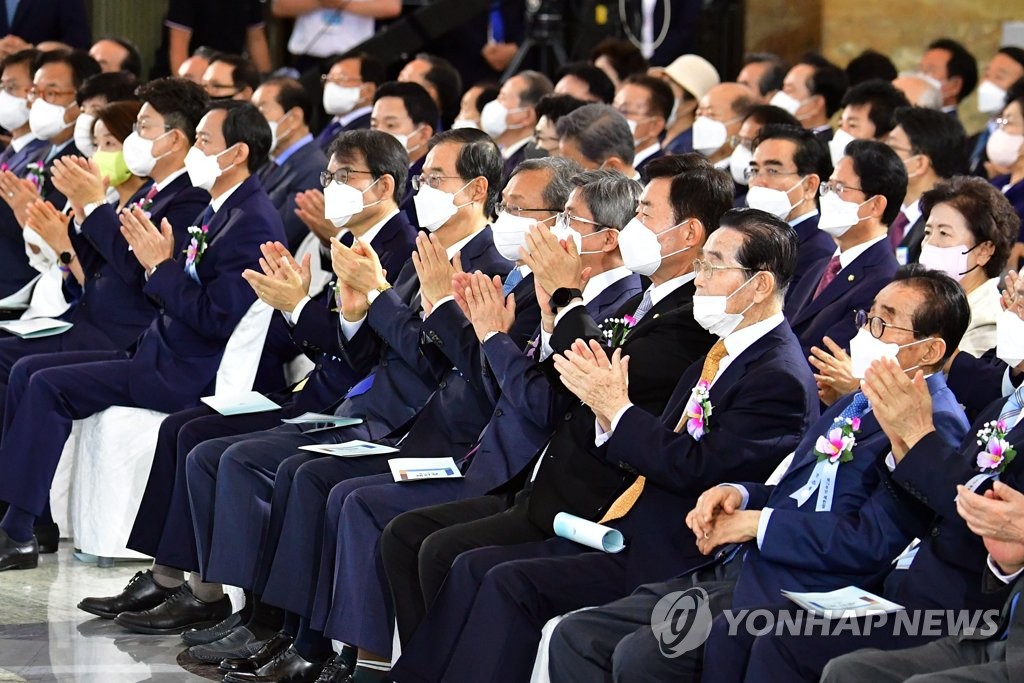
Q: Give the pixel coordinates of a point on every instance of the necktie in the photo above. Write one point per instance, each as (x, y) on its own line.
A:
(898, 229)
(497, 22)
(204, 217)
(831, 270)
(151, 195)
(625, 502)
(1009, 619)
(858, 406)
(513, 279)
(1010, 414)
(12, 8)
(645, 305)
(348, 239)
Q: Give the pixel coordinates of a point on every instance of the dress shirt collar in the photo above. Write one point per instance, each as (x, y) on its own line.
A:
(169, 179)
(353, 115)
(292, 149)
(646, 152)
(742, 339)
(18, 143)
(659, 292)
(912, 212)
(507, 152)
(800, 219)
(219, 201)
(371, 234)
(602, 281)
(850, 255)
(458, 246)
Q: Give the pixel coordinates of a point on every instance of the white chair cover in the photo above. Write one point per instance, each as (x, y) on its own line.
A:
(113, 449)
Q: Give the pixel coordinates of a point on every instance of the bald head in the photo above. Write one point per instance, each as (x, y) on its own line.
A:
(919, 91)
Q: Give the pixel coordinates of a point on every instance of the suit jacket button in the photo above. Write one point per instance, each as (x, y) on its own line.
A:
(443, 384)
(568, 416)
(935, 532)
(499, 412)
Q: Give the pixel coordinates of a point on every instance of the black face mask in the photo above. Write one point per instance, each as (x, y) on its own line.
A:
(225, 98)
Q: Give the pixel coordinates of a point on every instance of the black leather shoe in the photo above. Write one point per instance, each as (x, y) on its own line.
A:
(239, 643)
(336, 670)
(141, 593)
(14, 555)
(268, 651)
(287, 667)
(47, 536)
(205, 636)
(180, 611)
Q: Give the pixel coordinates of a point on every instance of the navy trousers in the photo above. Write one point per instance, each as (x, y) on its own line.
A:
(163, 526)
(45, 395)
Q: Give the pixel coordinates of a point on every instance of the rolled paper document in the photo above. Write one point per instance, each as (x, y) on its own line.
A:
(590, 534)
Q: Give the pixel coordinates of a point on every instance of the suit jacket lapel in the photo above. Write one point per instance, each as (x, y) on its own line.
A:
(846, 279)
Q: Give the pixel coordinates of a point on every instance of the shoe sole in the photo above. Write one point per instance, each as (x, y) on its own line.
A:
(99, 613)
(27, 562)
(192, 638)
(177, 630)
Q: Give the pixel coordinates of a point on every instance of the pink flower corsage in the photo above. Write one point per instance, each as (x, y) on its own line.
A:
(996, 452)
(837, 445)
(196, 245)
(698, 410)
(615, 330)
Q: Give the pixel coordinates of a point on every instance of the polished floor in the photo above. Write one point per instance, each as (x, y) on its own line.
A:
(44, 637)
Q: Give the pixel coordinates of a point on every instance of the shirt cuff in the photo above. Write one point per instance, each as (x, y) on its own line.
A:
(293, 317)
(762, 526)
(490, 334)
(349, 329)
(1005, 578)
(561, 314)
(890, 462)
(443, 300)
(545, 345)
(743, 492)
(601, 437)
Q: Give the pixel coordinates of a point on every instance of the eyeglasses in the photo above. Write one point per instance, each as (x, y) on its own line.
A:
(736, 141)
(433, 180)
(769, 172)
(48, 94)
(837, 187)
(877, 326)
(900, 148)
(341, 80)
(144, 128)
(548, 139)
(340, 176)
(564, 218)
(502, 207)
(707, 270)
(12, 88)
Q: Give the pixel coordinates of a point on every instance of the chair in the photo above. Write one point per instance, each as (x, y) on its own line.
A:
(113, 450)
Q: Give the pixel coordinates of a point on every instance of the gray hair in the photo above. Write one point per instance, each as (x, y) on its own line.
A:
(931, 98)
(537, 86)
(556, 192)
(611, 197)
(600, 132)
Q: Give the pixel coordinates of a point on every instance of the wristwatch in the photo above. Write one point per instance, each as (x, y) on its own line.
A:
(66, 257)
(372, 295)
(563, 296)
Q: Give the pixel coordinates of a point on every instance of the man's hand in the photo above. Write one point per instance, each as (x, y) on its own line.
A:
(834, 377)
(902, 406)
(309, 207)
(435, 272)
(554, 265)
(79, 180)
(276, 256)
(353, 304)
(11, 43)
(281, 285)
(600, 383)
(739, 527)
(150, 245)
(999, 514)
(714, 502)
(18, 193)
(50, 223)
(489, 310)
(499, 55)
(358, 268)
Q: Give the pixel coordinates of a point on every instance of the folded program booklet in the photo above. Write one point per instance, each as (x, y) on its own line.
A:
(843, 603)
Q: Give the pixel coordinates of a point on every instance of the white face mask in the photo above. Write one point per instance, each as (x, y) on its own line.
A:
(494, 118)
(14, 111)
(138, 154)
(641, 249)
(837, 145)
(403, 140)
(738, 163)
(865, 350)
(709, 312)
(1010, 338)
(784, 100)
(275, 132)
(709, 135)
(342, 201)
(83, 134)
(339, 99)
(563, 231)
(632, 127)
(1003, 148)
(435, 207)
(838, 215)
(203, 169)
(509, 233)
(47, 120)
(950, 260)
(465, 123)
(991, 98)
(775, 202)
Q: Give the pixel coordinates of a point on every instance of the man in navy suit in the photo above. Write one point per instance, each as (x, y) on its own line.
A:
(859, 201)
(295, 161)
(348, 89)
(113, 309)
(38, 21)
(163, 526)
(827, 524)
(787, 169)
(511, 118)
(56, 78)
(646, 102)
(755, 364)
(202, 297)
(382, 343)
(407, 111)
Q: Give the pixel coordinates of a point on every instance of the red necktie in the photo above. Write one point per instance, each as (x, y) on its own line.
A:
(831, 270)
(898, 229)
